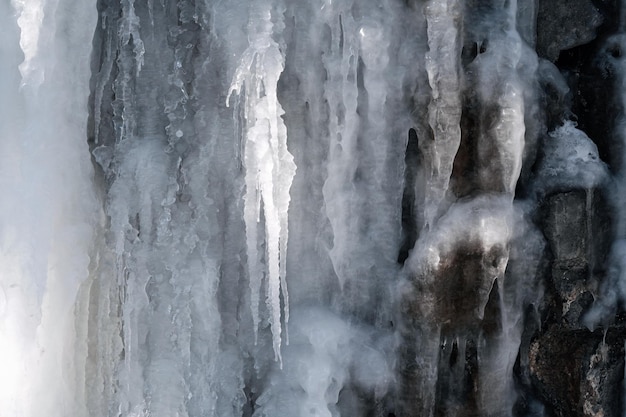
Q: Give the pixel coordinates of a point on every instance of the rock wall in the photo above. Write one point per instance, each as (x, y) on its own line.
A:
(571, 348)
(570, 361)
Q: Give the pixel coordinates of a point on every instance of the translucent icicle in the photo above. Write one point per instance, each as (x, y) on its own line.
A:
(341, 92)
(129, 31)
(498, 82)
(444, 112)
(268, 164)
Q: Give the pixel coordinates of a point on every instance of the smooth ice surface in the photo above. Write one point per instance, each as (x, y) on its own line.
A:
(49, 209)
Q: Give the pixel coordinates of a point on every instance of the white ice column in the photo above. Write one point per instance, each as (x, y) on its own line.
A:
(443, 18)
(269, 167)
(48, 209)
(500, 148)
(501, 95)
(341, 92)
(366, 133)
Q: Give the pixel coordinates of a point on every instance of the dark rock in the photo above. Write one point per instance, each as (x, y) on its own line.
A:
(566, 225)
(564, 24)
(575, 372)
(579, 373)
(570, 281)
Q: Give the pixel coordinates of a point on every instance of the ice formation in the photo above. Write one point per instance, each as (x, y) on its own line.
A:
(280, 207)
(443, 20)
(571, 158)
(269, 165)
(49, 212)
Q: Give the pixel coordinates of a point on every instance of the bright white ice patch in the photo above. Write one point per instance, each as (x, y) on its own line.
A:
(48, 210)
(30, 18)
(269, 165)
(571, 160)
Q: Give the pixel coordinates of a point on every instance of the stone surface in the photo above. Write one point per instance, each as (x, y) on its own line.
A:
(564, 24)
(574, 371)
(578, 373)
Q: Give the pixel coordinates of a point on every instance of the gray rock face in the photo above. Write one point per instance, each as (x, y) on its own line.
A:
(577, 372)
(577, 369)
(565, 24)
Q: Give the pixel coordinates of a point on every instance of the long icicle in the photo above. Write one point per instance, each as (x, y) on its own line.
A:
(269, 165)
(444, 112)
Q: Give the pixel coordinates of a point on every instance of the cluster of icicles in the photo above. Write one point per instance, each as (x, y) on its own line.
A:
(251, 163)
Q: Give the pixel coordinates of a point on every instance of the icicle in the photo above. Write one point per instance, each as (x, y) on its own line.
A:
(269, 165)
(509, 131)
(101, 82)
(604, 348)
(444, 111)
(129, 31)
(284, 235)
(341, 92)
(252, 217)
(31, 14)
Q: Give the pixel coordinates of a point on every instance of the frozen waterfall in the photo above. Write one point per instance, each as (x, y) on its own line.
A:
(268, 208)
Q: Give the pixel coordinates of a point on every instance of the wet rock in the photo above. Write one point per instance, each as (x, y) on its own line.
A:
(566, 225)
(567, 229)
(570, 281)
(578, 373)
(574, 371)
(565, 24)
